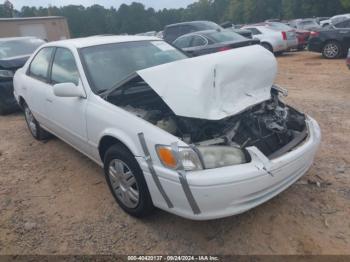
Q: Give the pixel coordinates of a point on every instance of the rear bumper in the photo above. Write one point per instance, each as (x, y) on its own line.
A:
(8, 103)
(292, 44)
(233, 190)
(315, 45)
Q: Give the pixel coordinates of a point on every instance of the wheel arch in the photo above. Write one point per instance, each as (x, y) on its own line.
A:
(109, 140)
(267, 43)
(21, 101)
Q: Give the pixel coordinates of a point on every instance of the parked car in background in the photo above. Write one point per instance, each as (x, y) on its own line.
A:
(242, 32)
(14, 52)
(203, 138)
(320, 19)
(272, 40)
(309, 24)
(332, 42)
(288, 33)
(334, 20)
(348, 59)
(211, 41)
(174, 31)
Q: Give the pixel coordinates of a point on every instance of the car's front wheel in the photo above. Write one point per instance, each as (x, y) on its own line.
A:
(332, 50)
(126, 182)
(33, 125)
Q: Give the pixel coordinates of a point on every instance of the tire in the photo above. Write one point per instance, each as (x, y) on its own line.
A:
(332, 50)
(33, 125)
(126, 181)
(279, 53)
(267, 46)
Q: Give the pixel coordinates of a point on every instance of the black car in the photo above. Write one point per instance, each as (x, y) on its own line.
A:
(309, 24)
(211, 41)
(332, 42)
(242, 32)
(14, 52)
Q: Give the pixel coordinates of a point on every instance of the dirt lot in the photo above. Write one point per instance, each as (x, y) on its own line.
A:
(53, 200)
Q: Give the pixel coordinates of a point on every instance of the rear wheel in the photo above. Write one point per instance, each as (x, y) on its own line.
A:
(126, 182)
(33, 125)
(332, 50)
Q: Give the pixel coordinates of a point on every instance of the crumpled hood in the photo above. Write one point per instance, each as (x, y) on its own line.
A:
(215, 86)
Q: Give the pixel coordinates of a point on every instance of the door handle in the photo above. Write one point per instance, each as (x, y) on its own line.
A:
(49, 100)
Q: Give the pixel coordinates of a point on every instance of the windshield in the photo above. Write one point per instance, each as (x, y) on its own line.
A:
(109, 64)
(224, 36)
(21, 47)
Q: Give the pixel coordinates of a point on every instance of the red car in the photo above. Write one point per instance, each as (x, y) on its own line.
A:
(303, 38)
(348, 59)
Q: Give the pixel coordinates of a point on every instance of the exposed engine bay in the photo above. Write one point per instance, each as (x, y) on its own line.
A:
(272, 126)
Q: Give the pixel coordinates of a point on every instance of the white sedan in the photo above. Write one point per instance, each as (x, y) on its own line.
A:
(202, 138)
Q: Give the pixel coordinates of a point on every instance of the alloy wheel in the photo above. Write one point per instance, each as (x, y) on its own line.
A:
(124, 183)
(30, 121)
(331, 50)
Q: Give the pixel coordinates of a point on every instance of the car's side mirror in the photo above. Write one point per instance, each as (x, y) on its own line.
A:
(68, 90)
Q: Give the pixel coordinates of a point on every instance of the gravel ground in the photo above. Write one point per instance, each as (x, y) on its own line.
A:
(53, 200)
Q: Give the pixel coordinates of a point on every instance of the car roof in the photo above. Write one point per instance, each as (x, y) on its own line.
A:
(336, 16)
(101, 40)
(203, 32)
(191, 23)
(5, 39)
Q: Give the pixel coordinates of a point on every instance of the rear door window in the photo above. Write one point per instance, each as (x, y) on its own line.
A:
(254, 31)
(183, 42)
(39, 67)
(198, 41)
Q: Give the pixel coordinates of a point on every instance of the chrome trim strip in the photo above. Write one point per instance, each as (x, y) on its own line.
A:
(151, 169)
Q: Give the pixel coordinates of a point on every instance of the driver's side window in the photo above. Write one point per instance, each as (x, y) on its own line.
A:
(64, 69)
(345, 24)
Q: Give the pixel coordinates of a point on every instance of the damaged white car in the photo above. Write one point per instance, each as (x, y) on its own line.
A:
(203, 138)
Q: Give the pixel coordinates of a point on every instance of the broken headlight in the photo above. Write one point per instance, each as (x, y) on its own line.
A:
(221, 156)
(181, 158)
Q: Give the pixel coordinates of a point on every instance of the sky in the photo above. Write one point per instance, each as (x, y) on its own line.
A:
(156, 4)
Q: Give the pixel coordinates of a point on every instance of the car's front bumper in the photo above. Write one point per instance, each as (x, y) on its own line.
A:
(233, 190)
(8, 102)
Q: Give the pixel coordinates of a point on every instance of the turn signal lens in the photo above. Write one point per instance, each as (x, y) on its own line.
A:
(166, 156)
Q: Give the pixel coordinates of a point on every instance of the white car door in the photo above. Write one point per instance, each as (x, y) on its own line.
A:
(36, 86)
(67, 114)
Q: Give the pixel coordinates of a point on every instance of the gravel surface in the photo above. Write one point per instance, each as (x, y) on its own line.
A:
(53, 200)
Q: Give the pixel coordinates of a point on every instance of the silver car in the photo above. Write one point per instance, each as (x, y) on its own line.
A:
(271, 39)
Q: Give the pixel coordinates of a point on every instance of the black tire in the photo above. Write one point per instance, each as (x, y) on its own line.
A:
(279, 53)
(144, 206)
(332, 50)
(267, 46)
(33, 125)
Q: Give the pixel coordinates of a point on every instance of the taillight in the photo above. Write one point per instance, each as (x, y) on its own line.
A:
(225, 48)
(314, 34)
(284, 35)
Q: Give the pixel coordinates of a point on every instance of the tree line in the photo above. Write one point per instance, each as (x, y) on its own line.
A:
(136, 18)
